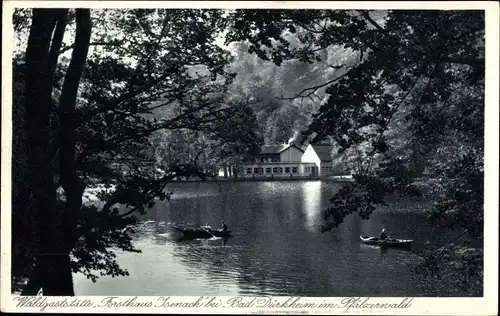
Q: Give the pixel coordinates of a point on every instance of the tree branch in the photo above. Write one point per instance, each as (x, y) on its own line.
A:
(312, 90)
(57, 39)
(162, 184)
(115, 43)
(109, 105)
(464, 61)
(366, 15)
(129, 212)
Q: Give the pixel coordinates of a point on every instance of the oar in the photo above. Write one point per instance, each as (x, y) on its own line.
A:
(208, 232)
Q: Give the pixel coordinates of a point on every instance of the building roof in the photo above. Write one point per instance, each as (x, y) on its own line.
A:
(275, 149)
(323, 152)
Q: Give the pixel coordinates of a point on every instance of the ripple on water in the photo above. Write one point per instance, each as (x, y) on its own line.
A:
(274, 250)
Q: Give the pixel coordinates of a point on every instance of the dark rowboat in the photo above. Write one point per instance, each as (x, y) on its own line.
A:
(202, 233)
(390, 242)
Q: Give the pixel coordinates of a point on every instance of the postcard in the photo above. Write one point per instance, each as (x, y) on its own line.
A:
(250, 157)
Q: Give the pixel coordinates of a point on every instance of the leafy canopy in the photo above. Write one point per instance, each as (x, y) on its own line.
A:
(407, 115)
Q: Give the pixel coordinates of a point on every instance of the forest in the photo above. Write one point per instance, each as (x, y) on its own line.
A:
(124, 101)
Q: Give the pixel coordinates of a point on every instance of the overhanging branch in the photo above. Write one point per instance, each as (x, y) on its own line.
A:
(114, 43)
(310, 91)
(464, 61)
(367, 16)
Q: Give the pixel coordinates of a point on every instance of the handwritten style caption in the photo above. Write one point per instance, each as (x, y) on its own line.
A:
(238, 302)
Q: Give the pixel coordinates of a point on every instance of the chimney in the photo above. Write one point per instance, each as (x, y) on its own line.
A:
(293, 139)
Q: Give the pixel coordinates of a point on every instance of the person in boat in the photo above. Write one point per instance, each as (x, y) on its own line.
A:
(383, 234)
(207, 227)
(223, 226)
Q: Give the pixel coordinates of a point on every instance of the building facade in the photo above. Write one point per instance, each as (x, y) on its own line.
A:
(288, 161)
(320, 156)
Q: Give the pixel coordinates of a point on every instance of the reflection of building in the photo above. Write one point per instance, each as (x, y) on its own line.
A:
(312, 203)
(289, 161)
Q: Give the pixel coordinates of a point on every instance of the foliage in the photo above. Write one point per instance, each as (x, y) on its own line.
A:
(147, 71)
(239, 138)
(265, 86)
(452, 270)
(99, 232)
(412, 104)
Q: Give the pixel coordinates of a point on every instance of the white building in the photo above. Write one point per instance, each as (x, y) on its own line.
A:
(275, 161)
(320, 156)
(288, 161)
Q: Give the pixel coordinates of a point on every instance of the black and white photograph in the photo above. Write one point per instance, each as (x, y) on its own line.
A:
(253, 152)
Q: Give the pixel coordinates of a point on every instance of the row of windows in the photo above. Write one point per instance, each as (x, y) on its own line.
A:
(279, 170)
(324, 169)
(272, 170)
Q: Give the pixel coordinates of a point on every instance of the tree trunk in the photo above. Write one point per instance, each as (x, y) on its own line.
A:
(56, 227)
(23, 239)
(55, 47)
(72, 185)
(52, 274)
(37, 119)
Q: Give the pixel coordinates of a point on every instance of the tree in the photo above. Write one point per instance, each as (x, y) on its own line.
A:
(93, 130)
(412, 102)
(225, 143)
(53, 264)
(264, 85)
(238, 139)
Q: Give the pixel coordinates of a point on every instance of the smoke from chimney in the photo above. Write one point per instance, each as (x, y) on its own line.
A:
(293, 139)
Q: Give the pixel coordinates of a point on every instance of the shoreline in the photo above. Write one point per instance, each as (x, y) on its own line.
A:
(261, 179)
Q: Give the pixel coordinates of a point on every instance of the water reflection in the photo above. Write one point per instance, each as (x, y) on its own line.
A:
(311, 198)
(275, 248)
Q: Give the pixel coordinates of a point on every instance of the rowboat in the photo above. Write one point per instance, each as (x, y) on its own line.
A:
(389, 242)
(202, 232)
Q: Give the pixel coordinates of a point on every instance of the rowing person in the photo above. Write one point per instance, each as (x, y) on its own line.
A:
(207, 227)
(223, 226)
(383, 234)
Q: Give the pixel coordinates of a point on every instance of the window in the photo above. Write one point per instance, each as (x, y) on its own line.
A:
(275, 170)
(255, 170)
(261, 170)
(287, 169)
(249, 170)
(268, 170)
(308, 169)
(281, 169)
(294, 169)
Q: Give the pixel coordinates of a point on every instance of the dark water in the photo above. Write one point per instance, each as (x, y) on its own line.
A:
(276, 248)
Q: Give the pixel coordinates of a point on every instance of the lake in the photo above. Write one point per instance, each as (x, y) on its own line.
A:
(276, 248)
